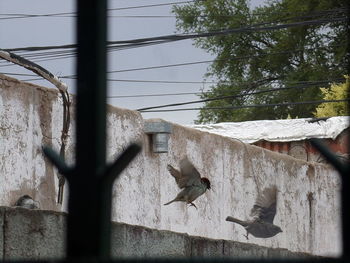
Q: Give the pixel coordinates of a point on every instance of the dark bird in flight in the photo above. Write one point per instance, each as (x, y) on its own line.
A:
(190, 180)
(262, 214)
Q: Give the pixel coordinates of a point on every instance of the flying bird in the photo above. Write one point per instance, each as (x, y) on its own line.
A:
(26, 201)
(262, 214)
(190, 180)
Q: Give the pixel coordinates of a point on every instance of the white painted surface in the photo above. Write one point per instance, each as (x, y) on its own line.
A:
(31, 116)
(278, 130)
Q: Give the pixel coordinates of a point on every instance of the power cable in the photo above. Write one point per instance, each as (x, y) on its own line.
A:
(177, 37)
(155, 95)
(232, 96)
(306, 85)
(207, 61)
(58, 55)
(205, 82)
(310, 82)
(147, 6)
(253, 106)
(61, 54)
(163, 81)
(211, 61)
(73, 14)
(18, 74)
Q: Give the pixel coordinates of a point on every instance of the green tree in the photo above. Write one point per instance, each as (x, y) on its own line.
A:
(252, 61)
(335, 92)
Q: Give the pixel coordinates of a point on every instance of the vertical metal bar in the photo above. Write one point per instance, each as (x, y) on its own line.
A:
(87, 212)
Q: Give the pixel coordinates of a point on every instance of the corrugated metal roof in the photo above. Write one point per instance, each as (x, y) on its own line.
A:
(279, 130)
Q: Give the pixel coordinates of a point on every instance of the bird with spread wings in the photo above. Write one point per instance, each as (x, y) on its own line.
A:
(262, 215)
(190, 181)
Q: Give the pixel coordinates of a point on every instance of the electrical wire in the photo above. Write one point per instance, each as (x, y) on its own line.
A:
(123, 44)
(211, 82)
(235, 96)
(113, 46)
(209, 61)
(316, 83)
(216, 60)
(155, 95)
(147, 6)
(253, 106)
(164, 81)
(311, 82)
(73, 14)
(307, 84)
(19, 74)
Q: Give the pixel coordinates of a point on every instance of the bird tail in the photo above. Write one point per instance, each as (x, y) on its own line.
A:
(170, 202)
(235, 220)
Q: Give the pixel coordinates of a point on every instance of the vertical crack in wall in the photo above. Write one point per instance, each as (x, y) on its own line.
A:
(254, 174)
(46, 190)
(311, 207)
(223, 190)
(310, 198)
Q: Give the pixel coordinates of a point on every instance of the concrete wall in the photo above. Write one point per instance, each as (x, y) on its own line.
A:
(38, 234)
(29, 118)
(308, 208)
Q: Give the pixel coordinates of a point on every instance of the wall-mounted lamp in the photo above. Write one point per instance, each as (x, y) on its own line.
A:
(160, 135)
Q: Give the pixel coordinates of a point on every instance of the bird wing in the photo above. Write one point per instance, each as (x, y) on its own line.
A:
(175, 173)
(265, 205)
(188, 174)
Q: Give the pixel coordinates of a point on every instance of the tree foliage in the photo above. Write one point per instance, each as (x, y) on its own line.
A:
(264, 59)
(335, 92)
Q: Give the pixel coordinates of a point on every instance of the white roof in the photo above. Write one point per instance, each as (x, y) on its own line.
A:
(278, 130)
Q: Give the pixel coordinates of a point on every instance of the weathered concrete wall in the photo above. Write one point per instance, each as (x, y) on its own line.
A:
(29, 234)
(29, 118)
(37, 234)
(308, 208)
(238, 172)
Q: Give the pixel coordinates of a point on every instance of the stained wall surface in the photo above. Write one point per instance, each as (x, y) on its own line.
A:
(308, 208)
(41, 234)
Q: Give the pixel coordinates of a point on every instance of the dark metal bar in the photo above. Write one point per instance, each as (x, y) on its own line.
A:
(85, 202)
(91, 181)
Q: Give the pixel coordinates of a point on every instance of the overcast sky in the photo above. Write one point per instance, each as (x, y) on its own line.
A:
(123, 24)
